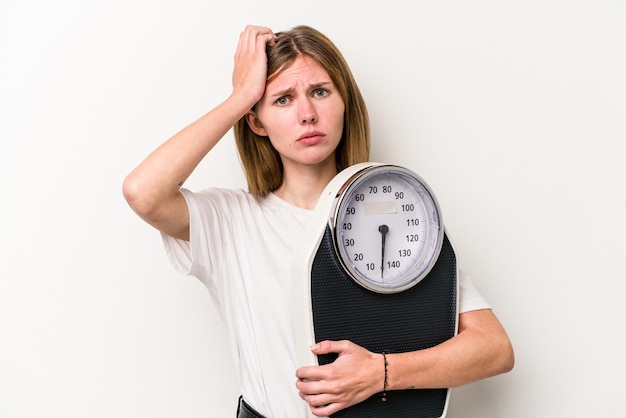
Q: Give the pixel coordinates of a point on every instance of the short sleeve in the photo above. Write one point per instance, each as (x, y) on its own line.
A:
(193, 257)
(470, 298)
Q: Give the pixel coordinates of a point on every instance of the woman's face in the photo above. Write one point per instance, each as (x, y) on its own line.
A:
(302, 114)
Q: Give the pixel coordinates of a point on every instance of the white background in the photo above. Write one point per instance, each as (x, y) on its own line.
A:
(514, 112)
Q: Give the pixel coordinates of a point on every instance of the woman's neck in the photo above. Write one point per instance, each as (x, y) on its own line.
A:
(303, 186)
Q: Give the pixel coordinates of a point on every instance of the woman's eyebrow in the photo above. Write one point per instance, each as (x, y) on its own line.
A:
(280, 93)
(290, 90)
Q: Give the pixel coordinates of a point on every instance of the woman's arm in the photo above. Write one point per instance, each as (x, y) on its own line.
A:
(152, 189)
(481, 349)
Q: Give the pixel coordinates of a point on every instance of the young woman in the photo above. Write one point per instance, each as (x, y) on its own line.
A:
(299, 119)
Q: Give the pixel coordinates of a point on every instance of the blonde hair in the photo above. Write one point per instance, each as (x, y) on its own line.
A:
(261, 162)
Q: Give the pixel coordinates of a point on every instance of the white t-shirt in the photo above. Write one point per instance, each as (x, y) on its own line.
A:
(240, 247)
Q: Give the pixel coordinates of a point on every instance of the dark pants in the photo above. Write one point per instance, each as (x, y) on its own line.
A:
(245, 411)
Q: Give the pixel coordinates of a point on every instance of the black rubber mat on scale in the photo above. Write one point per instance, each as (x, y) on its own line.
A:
(420, 317)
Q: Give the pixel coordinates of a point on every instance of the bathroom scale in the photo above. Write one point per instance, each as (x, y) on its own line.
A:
(375, 266)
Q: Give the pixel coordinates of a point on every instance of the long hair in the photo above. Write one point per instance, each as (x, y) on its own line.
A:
(261, 162)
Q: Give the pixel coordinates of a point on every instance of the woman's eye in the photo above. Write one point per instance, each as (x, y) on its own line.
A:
(320, 92)
(282, 101)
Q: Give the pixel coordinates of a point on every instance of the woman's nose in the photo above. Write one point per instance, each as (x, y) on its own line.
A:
(307, 112)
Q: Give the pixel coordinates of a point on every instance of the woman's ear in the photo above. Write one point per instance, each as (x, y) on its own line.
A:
(255, 124)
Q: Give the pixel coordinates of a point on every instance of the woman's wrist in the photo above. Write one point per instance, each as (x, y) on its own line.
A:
(243, 99)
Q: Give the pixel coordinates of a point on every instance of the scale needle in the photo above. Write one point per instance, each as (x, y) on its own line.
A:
(383, 229)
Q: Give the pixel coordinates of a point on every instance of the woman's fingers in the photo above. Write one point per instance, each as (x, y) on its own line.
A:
(250, 70)
(254, 37)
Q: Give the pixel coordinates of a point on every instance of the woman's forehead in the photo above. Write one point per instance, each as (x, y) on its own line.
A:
(302, 71)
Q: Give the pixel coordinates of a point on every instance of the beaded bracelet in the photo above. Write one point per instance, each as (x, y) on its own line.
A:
(384, 395)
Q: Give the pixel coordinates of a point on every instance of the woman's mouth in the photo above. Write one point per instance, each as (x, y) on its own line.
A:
(311, 138)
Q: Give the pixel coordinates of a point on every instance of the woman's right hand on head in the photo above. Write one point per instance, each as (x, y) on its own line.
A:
(250, 71)
(153, 188)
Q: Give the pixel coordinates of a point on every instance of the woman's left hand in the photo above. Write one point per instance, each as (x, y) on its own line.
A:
(353, 377)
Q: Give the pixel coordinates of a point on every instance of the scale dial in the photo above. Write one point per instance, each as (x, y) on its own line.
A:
(387, 228)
